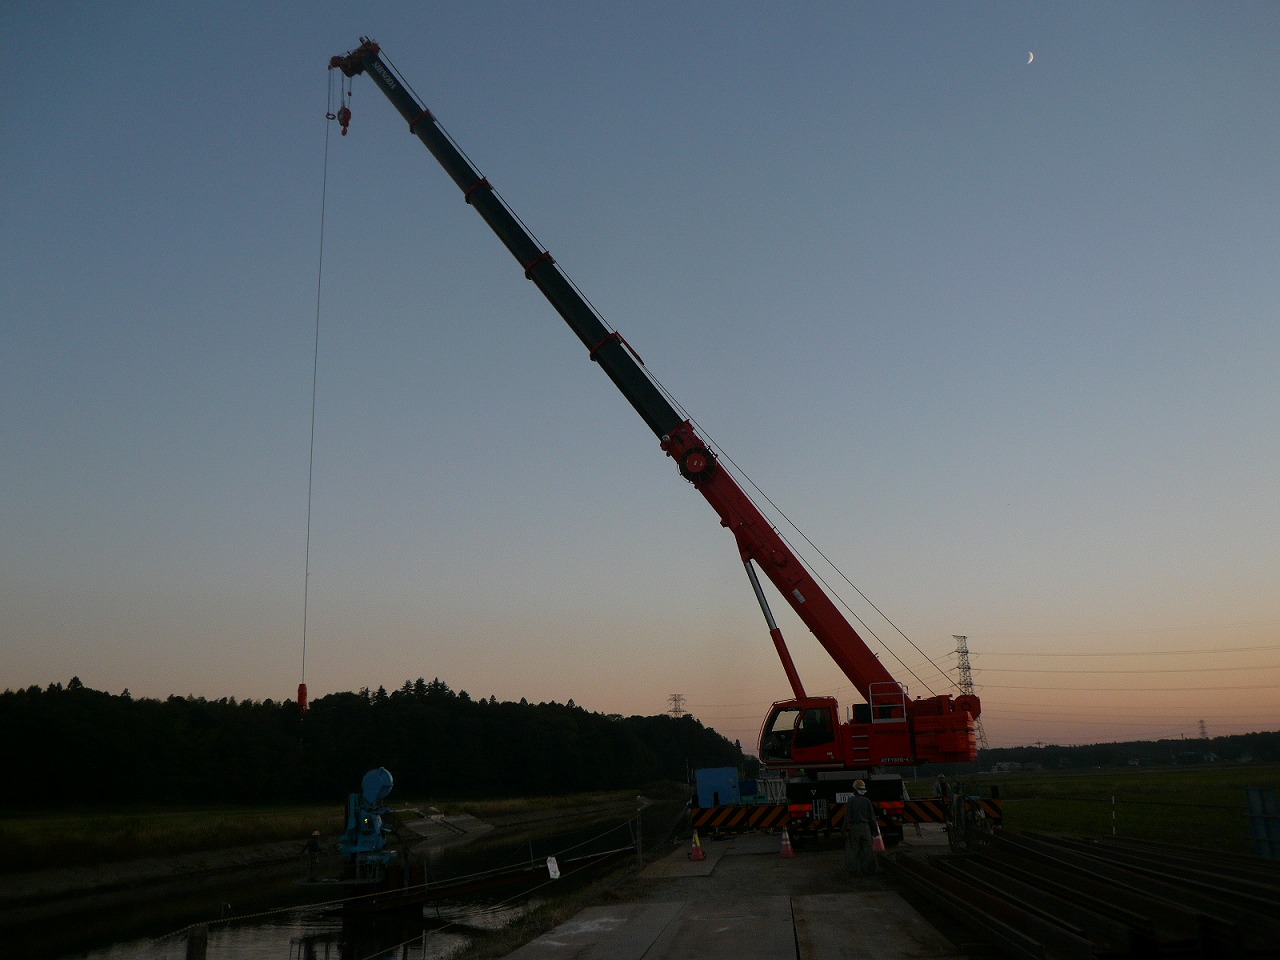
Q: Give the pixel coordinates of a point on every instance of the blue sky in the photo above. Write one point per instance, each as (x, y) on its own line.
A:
(998, 337)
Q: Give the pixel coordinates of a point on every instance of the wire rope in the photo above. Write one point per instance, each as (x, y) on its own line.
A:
(315, 378)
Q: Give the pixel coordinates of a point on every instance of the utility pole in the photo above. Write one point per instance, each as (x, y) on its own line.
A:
(966, 680)
(677, 704)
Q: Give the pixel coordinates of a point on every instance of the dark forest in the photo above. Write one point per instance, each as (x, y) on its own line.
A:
(74, 746)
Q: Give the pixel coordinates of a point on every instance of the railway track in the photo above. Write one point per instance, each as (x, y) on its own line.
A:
(1060, 898)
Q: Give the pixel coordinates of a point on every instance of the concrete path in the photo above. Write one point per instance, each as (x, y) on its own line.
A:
(683, 916)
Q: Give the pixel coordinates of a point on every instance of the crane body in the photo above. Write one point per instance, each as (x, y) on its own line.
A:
(802, 736)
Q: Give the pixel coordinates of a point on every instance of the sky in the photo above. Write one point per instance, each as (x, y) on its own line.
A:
(998, 337)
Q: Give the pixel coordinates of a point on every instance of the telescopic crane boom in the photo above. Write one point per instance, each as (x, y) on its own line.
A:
(804, 732)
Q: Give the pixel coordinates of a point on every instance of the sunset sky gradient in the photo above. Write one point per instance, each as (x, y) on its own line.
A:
(999, 338)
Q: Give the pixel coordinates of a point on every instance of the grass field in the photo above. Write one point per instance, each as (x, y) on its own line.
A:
(89, 837)
(85, 838)
(1192, 806)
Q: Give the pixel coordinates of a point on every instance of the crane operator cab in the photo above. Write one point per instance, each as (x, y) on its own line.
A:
(801, 732)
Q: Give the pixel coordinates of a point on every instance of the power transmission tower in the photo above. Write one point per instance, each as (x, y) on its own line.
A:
(677, 704)
(966, 680)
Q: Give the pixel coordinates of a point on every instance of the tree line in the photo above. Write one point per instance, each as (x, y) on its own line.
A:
(75, 746)
(1259, 747)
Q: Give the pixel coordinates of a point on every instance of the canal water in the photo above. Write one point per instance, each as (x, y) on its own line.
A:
(315, 934)
(267, 913)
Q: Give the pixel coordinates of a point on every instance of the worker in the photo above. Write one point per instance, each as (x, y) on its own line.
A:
(907, 797)
(312, 849)
(858, 829)
(942, 792)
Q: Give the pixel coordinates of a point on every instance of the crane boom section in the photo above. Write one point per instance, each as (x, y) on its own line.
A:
(756, 537)
(605, 347)
(758, 541)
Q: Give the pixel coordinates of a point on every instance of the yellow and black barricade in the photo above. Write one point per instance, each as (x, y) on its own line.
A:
(740, 817)
(935, 810)
(924, 811)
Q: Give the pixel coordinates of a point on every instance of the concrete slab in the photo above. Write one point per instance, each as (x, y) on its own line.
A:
(852, 926)
(754, 845)
(679, 863)
(623, 931)
(745, 900)
(759, 928)
(869, 924)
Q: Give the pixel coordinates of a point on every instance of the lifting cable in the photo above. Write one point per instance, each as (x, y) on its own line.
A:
(343, 116)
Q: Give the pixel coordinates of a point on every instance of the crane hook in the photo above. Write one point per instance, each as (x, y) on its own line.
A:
(344, 118)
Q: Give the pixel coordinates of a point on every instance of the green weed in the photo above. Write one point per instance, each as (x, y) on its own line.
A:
(1190, 806)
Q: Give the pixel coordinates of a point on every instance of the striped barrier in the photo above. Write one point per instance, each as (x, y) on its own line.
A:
(924, 811)
(745, 817)
(741, 817)
(935, 811)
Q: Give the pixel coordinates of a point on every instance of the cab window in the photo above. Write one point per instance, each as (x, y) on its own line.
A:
(815, 728)
(776, 744)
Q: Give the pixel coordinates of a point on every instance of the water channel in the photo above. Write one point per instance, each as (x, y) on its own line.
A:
(267, 913)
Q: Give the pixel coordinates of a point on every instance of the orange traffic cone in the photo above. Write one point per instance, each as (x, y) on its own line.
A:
(787, 851)
(697, 853)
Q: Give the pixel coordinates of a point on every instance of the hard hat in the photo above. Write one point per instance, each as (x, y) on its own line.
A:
(315, 833)
(859, 785)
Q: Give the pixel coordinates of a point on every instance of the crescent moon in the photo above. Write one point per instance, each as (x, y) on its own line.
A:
(1030, 56)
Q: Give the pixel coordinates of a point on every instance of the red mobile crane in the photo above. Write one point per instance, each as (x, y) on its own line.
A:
(803, 736)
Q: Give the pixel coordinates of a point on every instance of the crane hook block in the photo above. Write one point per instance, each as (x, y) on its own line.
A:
(344, 118)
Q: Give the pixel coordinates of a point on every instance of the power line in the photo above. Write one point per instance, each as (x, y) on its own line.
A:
(1041, 709)
(1118, 630)
(1001, 686)
(1202, 651)
(1264, 666)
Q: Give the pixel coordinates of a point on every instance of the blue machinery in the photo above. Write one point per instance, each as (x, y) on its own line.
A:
(364, 842)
